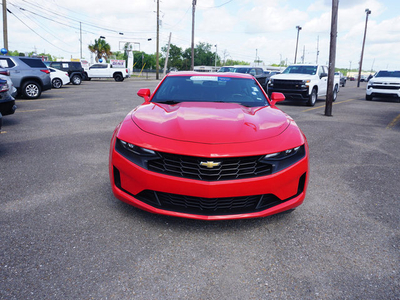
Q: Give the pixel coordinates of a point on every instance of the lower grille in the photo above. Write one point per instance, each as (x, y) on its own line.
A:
(208, 206)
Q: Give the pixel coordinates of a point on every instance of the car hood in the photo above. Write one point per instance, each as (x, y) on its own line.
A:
(292, 76)
(210, 123)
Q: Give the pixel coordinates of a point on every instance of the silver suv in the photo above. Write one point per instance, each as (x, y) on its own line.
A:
(29, 75)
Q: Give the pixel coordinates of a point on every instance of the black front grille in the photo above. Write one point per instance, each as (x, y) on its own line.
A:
(208, 206)
(386, 87)
(208, 169)
(287, 84)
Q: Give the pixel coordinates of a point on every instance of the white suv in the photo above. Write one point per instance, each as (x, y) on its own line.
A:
(384, 84)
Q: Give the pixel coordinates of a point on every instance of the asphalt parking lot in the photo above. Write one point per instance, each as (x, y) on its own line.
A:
(65, 236)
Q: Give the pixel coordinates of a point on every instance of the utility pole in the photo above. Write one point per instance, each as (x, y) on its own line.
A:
(80, 27)
(5, 34)
(193, 11)
(158, 41)
(367, 12)
(297, 43)
(332, 58)
(317, 50)
(166, 58)
(216, 56)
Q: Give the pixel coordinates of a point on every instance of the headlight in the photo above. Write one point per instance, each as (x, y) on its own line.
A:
(306, 81)
(138, 155)
(136, 149)
(4, 88)
(284, 159)
(283, 154)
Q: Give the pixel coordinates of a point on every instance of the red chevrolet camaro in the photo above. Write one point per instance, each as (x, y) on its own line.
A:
(209, 146)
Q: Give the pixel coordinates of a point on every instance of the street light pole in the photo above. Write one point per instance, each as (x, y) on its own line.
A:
(367, 12)
(5, 30)
(215, 56)
(158, 41)
(297, 43)
(193, 14)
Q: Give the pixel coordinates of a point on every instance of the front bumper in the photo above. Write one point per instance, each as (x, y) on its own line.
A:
(291, 94)
(205, 200)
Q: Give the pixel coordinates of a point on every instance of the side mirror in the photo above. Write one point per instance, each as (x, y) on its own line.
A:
(323, 75)
(277, 97)
(144, 93)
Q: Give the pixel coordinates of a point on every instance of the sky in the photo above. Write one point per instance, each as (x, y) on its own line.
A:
(243, 30)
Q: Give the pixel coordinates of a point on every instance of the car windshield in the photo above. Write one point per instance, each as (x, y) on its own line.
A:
(310, 70)
(388, 74)
(197, 88)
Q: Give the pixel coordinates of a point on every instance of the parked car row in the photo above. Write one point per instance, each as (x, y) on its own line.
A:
(29, 77)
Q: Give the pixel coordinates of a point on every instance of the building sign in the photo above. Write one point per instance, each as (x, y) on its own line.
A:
(115, 63)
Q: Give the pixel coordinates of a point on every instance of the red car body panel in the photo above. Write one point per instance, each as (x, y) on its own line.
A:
(210, 130)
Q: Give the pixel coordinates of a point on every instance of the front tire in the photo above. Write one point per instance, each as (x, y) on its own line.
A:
(312, 98)
(31, 90)
(76, 79)
(56, 83)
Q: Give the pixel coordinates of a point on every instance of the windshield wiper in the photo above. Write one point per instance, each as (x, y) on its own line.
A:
(168, 102)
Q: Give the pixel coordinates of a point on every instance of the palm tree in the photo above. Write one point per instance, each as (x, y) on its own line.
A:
(101, 48)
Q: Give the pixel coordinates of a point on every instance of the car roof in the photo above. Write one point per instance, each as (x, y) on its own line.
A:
(216, 74)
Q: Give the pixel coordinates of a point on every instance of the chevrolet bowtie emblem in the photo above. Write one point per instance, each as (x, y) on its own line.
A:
(210, 164)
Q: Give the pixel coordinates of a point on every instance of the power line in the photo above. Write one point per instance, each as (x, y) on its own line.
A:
(35, 31)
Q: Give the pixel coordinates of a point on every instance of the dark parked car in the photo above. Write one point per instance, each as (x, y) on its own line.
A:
(29, 75)
(257, 72)
(226, 69)
(73, 68)
(7, 102)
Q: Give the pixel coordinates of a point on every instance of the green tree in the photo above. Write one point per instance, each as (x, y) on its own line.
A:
(231, 62)
(101, 49)
(119, 55)
(142, 59)
(175, 59)
(203, 56)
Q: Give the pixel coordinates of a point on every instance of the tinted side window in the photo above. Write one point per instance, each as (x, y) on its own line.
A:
(34, 63)
(76, 66)
(6, 62)
(56, 65)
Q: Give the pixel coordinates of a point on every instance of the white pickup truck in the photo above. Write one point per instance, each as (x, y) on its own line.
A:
(106, 71)
(303, 83)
